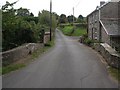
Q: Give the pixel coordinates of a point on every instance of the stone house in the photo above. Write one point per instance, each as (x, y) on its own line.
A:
(104, 24)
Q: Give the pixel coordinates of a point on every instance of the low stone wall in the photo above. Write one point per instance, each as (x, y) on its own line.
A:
(23, 51)
(18, 53)
(110, 55)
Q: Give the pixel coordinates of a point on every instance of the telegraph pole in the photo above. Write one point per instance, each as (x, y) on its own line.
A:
(73, 15)
(50, 20)
(73, 19)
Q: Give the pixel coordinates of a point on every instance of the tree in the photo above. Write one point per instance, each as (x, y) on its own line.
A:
(18, 27)
(8, 26)
(31, 14)
(62, 18)
(23, 12)
(54, 21)
(44, 18)
(55, 18)
(8, 5)
(56, 15)
(70, 18)
(80, 19)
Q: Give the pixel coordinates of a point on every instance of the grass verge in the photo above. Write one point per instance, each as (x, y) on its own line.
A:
(10, 68)
(23, 63)
(68, 30)
(47, 46)
(0, 70)
(115, 73)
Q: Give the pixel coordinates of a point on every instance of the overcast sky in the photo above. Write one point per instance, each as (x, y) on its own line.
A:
(83, 7)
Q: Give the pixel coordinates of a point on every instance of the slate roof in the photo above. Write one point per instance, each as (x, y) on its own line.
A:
(112, 27)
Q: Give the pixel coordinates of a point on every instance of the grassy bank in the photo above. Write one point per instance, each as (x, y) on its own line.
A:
(70, 31)
(115, 73)
(12, 67)
(24, 62)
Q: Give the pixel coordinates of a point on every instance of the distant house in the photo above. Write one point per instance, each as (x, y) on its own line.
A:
(104, 24)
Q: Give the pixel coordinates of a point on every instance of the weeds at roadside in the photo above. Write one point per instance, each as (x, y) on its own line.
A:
(115, 73)
(10, 68)
(67, 30)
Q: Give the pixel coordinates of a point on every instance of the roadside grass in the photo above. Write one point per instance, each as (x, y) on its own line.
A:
(37, 53)
(12, 67)
(115, 73)
(47, 46)
(0, 70)
(80, 31)
(33, 56)
(68, 30)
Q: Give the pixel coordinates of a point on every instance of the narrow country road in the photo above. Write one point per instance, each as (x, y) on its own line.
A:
(68, 65)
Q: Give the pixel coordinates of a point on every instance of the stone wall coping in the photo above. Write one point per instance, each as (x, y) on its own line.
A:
(47, 33)
(19, 47)
(110, 49)
(20, 52)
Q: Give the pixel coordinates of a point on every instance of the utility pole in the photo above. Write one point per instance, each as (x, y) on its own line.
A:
(73, 20)
(50, 20)
(73, 16)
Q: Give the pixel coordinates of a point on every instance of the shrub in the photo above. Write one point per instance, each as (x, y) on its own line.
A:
(88, 41)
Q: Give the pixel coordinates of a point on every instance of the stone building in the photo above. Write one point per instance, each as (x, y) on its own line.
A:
(104, 24)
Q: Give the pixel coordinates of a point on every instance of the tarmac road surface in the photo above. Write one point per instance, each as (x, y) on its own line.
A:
(68, 65)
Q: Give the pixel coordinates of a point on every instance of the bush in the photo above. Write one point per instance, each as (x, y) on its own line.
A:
(20, 27)
(17, 29)
(61, 26)
(88, 41)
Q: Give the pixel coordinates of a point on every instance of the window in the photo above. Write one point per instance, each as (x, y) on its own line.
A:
(95, 21)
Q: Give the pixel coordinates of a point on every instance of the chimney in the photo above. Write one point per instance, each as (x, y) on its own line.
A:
(102, 2)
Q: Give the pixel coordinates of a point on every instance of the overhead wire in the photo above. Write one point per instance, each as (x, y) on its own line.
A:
(78, 2)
